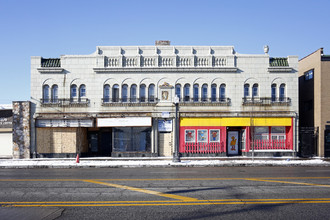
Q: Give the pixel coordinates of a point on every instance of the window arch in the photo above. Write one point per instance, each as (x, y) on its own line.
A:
(54, 94)
(142, 93)
(45, 93)
(178, 91)
(186, 92)
(196, 88)
(255, 92)
(246, 90)
(73, 93)
(204, 92)
(273, 92)
(282, 92)
(133, 93)
(115, 93)
(106, 93)
(151, 93)
(213, 92)
(222, 92)
(124, 93)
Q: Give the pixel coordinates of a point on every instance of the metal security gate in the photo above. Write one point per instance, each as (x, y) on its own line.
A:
(308, 137)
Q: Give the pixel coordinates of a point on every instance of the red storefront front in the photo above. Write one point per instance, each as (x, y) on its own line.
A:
(234, 136)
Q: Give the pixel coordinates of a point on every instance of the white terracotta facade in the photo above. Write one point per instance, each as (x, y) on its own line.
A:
(105, 81)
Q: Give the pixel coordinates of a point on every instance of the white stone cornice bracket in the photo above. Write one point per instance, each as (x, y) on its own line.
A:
(50, 70)
(174, 70)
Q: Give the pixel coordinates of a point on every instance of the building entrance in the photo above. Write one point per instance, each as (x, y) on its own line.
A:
(99, 142)
(233, 142)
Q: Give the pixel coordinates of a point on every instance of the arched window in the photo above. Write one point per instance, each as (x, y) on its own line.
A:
(178, 91)
(45, 93)
(255, 92)
(282, 92)
(142, 93)
(73, 93)
(115, 93)
(133, 93)
(222, 92)
(54, 94)
(273, 92)
(82, 92)
(124, 93)
(196, 93)
(204, 93)
(186, 93)
(214, 92)
(246, 90)
(106, 93)
(151, 93)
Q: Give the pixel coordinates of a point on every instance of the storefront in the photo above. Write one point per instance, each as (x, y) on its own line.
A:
(235, 136)
(131, 136)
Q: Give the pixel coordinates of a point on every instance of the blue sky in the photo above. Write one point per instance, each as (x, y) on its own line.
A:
(52, 28)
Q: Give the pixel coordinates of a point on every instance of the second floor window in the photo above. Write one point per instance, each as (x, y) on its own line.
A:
(186, 92)
(151, 93)
(246, 90)
(106, 93)
(204, 93)
(222, 92)
(282, 92)
(73, 92)
(142, 93)
(213, 92)
(196, 93)
(82, 92)
(45, 93)
(124, 93)
(115, 93)
(178, 90)
(255, 91)
(133, 93)
(54, 93)
(273, 92)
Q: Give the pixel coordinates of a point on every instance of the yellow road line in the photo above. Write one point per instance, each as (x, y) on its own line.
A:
(166, 201)
(174, 204)
(165, 179)
(277, 181)
(183, 198)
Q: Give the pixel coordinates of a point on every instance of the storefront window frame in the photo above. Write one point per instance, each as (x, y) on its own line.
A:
(194, 136)
(210, 135)
(206, 136)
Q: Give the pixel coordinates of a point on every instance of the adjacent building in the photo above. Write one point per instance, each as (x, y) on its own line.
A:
(120, 101)
(6, 131)
(314, 93)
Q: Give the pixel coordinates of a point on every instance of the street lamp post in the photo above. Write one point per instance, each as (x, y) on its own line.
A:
(176, 157)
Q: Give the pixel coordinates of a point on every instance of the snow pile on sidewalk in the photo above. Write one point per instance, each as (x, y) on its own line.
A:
(71, 163)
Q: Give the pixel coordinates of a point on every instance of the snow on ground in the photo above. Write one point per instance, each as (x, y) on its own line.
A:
(151, 162)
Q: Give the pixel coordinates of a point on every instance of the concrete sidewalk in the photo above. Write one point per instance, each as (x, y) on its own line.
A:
(108, 162)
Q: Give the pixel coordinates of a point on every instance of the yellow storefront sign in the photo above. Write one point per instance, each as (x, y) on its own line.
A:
(235, 122)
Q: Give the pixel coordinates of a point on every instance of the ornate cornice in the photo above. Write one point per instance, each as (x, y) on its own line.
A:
(50, 70)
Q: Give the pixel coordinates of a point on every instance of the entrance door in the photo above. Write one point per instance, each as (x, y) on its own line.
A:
(233, 143)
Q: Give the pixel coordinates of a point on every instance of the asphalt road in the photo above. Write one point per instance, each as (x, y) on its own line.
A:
(166, 193)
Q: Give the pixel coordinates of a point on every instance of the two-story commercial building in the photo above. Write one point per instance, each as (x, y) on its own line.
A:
(119, 101)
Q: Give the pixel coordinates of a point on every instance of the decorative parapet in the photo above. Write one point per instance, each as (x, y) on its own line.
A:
(51, 65)
(166, 61)
(279, 64)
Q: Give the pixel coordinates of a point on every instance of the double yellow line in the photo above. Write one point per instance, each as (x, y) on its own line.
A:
(166, 202)
(177, 200)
